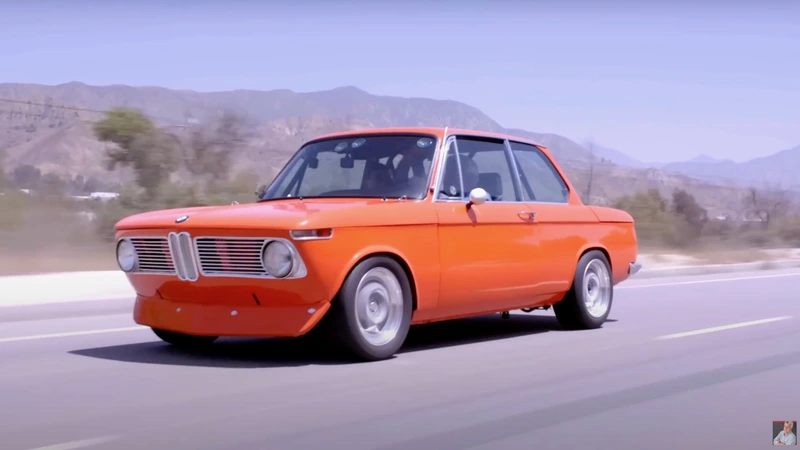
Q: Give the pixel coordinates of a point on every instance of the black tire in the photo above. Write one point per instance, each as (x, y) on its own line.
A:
(572, 312)
(344, 324)
(184, 340)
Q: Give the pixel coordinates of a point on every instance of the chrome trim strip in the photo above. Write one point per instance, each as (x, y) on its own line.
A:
(512, 160)
(312, 238)
(299, 269)
(169, 264)
(440, 165)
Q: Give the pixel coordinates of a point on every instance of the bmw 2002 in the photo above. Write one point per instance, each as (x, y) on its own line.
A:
(366, 233)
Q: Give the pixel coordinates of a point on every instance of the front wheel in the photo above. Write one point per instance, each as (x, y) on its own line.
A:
(372, 314)
(588, 303)
(184, 340)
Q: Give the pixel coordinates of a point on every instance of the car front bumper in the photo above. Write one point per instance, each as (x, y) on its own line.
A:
(227, 320)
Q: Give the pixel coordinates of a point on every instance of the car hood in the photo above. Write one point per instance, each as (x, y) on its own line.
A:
(286, 214)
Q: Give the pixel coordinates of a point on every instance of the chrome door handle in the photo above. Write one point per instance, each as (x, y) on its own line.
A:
(526, 215)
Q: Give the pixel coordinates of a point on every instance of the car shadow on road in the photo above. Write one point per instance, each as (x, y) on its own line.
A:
(255, 353)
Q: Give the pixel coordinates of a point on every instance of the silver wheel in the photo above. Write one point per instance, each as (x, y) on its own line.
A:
(596, 288)
(379, 306)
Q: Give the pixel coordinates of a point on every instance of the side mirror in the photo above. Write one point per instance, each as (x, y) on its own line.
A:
(478, 196)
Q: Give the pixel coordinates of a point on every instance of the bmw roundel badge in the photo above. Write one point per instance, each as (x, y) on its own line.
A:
(181, 219)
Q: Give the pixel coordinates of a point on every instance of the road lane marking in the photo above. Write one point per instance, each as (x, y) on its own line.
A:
(715, 280)
(722, 328)
(70, 333)
(72, 445)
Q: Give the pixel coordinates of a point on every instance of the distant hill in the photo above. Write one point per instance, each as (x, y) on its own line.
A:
(617, 157)
(49, 127)
(778, 169)
(705, 159)
(36, 129)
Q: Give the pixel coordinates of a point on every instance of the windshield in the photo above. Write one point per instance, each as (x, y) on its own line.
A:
(365, 166)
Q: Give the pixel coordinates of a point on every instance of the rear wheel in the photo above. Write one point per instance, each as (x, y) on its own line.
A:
(588, 303)
(184, 340)
(372, 314)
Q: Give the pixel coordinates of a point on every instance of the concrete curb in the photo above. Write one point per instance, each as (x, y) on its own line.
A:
(709, 269)
(64, 287)
(108, 286)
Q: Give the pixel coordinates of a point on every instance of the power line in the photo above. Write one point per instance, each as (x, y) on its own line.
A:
(69, 108)
(69, 119)
(45, 116)
(30, 103)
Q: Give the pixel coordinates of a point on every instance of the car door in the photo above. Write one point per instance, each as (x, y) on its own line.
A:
(484, 250)
(560, 228)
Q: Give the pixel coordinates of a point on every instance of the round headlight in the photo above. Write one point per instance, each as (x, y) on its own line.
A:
(126, 255)
(277, 259)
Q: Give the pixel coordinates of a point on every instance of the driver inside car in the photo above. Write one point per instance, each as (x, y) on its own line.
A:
(451, 185)
(379, 179)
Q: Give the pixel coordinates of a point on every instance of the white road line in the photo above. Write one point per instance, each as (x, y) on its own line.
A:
(722, 328)
(72, 445)
(70, 333)
(715, 280)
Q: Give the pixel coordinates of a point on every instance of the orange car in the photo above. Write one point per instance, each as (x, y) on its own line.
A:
(366, 233)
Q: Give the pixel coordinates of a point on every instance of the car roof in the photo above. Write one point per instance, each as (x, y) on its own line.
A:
(439, 132)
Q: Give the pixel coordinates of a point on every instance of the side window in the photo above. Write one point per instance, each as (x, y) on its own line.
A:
(540, 180)
(484, 163)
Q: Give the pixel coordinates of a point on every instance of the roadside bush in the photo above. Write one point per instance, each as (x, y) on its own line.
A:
(650, 211)
(682, 223)
(169, 196)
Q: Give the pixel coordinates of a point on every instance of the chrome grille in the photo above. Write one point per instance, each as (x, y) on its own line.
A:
(180, 245)
(153, 254)
(224, 256)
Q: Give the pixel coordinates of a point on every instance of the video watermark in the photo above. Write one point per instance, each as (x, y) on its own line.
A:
(784, 432)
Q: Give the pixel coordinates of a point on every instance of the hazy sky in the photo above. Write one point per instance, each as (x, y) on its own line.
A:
(661, 82)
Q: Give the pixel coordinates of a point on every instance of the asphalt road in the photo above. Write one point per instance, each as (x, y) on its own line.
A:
(79, 376)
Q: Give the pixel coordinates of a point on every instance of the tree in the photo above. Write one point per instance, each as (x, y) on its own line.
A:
(91, 185)
(210, 149)
(692, 215)
(52, 185)
(650, 211)
(3, 177)
(766, 204)
(123, 126)
(26, 177)
(149, 151)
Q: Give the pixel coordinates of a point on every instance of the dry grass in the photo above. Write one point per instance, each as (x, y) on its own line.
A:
(732, 256)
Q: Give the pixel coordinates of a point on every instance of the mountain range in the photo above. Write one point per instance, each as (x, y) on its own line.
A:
(778, 170)
(49, 127)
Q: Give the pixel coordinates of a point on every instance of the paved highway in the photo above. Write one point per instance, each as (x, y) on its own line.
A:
(696, 362)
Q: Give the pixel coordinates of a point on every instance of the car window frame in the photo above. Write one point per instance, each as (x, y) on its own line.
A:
(451, 139)
(523, 180)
